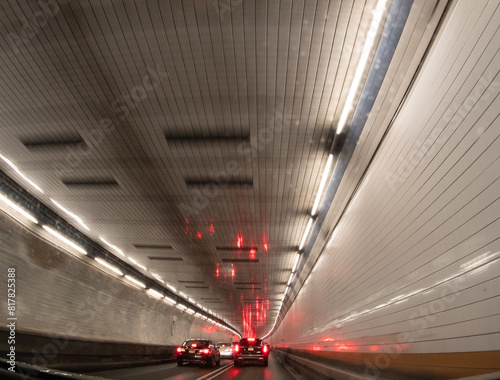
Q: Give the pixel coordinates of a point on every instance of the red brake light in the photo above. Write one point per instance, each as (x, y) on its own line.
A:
(265, 349)
(180, 349)
(236, 348)
(251, 339)
(206, 351)
(194, 345)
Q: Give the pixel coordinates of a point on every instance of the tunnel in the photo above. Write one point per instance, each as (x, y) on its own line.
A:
(311, 183)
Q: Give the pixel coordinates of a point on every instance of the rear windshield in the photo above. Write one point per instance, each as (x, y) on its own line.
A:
(249, 342)
(198, 343)
(223, 344)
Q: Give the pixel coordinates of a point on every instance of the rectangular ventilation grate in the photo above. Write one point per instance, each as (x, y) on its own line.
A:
(75, 142)
(246, 283)
(195, 182)
(152, 246)
(90, 182)
(196, 287)
(184, 139)
(247, 288)
(231, 248)
(191, 282)
(162, 258)
(240, 260)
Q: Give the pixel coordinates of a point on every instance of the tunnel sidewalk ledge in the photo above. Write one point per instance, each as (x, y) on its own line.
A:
(302, 369)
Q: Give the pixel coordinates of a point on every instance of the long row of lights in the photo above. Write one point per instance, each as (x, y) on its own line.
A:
(129, 279)
(372, 33)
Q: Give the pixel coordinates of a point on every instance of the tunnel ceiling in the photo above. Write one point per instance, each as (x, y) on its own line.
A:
(190, 134)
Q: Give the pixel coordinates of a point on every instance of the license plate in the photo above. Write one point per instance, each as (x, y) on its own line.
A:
(191, 351)
(250, 349)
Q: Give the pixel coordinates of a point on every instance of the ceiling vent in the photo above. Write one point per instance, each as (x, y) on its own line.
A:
(55, 143)
(91, 182)
(152, 246)
(240, 260)
(163, 258)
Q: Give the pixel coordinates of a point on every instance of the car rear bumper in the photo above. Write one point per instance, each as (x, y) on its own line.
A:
(250, 358)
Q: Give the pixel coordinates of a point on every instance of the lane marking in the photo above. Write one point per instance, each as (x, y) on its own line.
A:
(216, 373)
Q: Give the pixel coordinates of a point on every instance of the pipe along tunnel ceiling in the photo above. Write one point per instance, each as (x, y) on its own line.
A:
(185, 142)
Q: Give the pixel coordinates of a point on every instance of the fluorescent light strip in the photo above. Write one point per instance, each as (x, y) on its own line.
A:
(136, 263)
(295, 263)
(322, 184)
(64, 239)
(130, 278)
(306, 234)
(112, 246)
(74, 216)
(18, 209)
(109, 266)
(370, 38)
(190, 311)
(157, 277)
(181, 306)
(290, 279)
(172, 288)
(286, 290)
(154, 293)
(169, 301)
(11, 164)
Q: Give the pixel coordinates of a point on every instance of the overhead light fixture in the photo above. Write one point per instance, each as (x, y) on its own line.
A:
(169, 300)
(190, 311)
(370, 38)
(11, 164)
(64, 239)
(322, 184)
(181, 306)
(74, 216)
(131, 279)
(290, 279)
(295, 262)
(158, 277)
(109, 266)
(306, 234)
(136, 263)
(172, 288)
(154, 293)
(112, 246)
(286, 290)
(18, 209)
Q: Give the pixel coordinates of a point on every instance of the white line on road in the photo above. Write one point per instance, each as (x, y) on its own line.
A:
(216, 373)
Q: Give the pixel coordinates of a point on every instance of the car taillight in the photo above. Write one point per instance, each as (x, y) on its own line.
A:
(230, 350)
(251, 339)
(180, 350)
(194, 345)
(206, 351)
(236, 348)
(265, 349)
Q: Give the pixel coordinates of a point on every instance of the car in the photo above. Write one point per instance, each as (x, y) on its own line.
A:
(200, 351)
(251, 350)
(226, 349)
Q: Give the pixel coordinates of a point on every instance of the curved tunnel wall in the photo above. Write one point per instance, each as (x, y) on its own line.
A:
(411, 280)
(72, 314)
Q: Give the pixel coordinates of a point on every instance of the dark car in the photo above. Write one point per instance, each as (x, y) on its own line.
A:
(199, 351)
(251, 350)
(226, 349)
